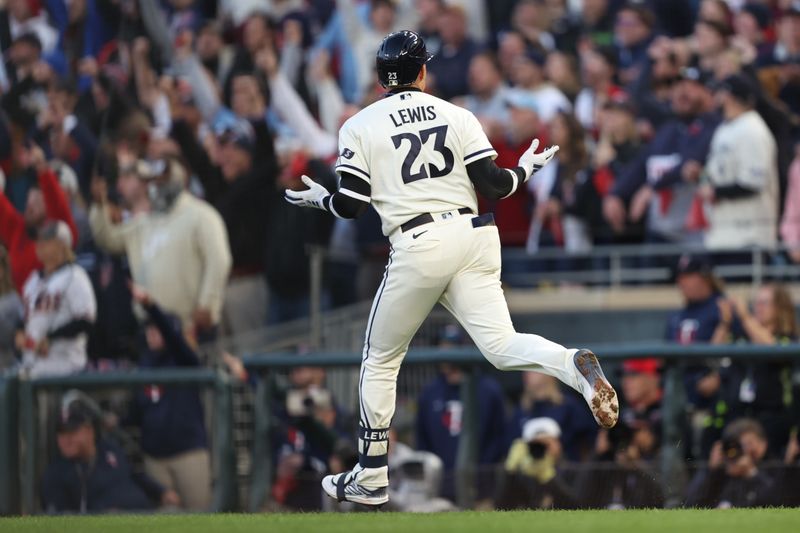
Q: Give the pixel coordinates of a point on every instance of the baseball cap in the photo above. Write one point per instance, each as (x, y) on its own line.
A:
(648, 366)
(540, 427)
(521, 99)
(693, 264)
(620, 101)
(739, 86)
(73, 416)
(694, 74)
(55, 230)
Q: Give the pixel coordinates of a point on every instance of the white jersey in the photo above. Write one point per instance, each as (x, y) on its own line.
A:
(413, 150)
(50, 303)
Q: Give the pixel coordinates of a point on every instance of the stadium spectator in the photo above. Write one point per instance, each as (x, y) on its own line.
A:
(440, 423)
(170, 418)
(531, 477)
(761, 390)
(488, 94)
(742, 185)
(615, 153)
(11, 312)
(790, 223)
(92, 475)
(415, 479)
(543, 398)
(60, 307)
(598, 68)
(36, 193)
(566, 206)
(180, 234)
(633, 33)
(21, 17)
(450, 64)
(734, 477)
(529, 77)
(701, 320)
(632, 446)
(307, 440)
(787, 55)
(661, 186)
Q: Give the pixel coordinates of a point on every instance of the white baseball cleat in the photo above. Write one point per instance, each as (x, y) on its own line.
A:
(596, 390)
(344, 487)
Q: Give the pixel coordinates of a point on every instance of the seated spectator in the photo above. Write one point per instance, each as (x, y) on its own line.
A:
(531, 472)
(542, 397)
(60, 307)
(46, 201)
(762, 390)
(733, 477)
(787, 55)
(440, 422)
(641, 388)
(787, 485)
(171, 418)
(742, 185)
(11, 312)
(598, 69)
(92, 475)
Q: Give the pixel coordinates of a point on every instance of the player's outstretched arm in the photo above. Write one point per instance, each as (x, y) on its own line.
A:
(350, 201)
(494, 182)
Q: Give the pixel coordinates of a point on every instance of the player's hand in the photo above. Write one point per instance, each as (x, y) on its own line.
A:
(311, 197)
(533, 162)
(139, 294)
(170, 498)
(43, 347)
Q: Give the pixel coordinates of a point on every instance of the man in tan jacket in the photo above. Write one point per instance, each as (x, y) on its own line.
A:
(178, 251)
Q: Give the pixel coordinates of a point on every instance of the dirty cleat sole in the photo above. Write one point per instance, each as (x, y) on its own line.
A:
(598, 392)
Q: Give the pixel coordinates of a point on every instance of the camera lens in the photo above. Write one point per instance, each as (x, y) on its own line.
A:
(537, 449)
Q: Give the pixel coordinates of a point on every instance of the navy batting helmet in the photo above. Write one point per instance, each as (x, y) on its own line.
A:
(400, 58)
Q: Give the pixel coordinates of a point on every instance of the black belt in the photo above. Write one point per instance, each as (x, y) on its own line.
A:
(427, 218)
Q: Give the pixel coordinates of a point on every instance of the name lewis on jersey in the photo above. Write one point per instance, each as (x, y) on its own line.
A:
(412, 115)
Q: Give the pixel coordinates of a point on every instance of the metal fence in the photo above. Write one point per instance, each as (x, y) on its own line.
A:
(243, 422)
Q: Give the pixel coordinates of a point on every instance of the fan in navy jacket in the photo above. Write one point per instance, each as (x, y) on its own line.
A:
(93, 475)
(440, 420)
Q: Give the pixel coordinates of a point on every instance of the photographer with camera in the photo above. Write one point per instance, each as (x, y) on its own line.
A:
(733, 477)
(532, 479)
(310, 429)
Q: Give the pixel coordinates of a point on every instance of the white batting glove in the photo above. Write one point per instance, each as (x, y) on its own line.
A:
(533, 162)
(311, 197)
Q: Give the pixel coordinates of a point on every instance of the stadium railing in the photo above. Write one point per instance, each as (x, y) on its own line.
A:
(19, 443)
(19, 438)
(674, 357)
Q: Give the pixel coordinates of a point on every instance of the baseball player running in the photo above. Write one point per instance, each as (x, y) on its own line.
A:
(419, 160)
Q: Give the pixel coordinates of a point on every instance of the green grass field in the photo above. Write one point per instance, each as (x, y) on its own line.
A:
(677, 521)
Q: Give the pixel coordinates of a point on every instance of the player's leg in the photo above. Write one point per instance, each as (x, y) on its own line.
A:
(475, 297)
(411, 286)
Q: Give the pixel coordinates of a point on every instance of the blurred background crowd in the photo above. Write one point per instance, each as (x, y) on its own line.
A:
(145, 146)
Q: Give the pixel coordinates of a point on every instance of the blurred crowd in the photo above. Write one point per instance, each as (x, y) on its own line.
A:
(145, 145)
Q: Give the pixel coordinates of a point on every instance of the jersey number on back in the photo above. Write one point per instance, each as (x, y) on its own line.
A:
(439, 133)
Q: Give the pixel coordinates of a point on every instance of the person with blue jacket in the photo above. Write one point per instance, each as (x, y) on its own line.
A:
(92, 474)
(171, 418)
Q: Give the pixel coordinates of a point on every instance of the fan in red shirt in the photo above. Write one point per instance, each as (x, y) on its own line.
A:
(45, 202)
(513, 214)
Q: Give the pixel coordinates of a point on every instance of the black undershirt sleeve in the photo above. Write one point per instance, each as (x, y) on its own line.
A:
(352, 198)
(491, 181)
(733, 192)
(71, 329)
